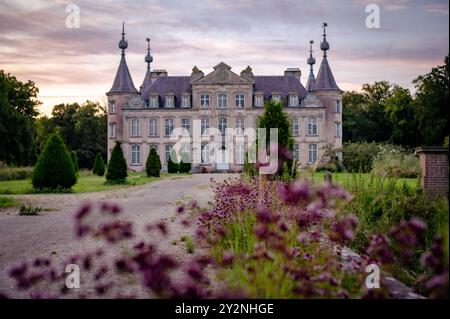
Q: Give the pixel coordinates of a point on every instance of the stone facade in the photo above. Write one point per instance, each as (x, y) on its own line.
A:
(221, 99)
(434, 170)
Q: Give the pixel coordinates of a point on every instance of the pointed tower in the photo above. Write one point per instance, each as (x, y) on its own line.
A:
(148, 76)
(122, 91)
(325, 79)
(311, 61)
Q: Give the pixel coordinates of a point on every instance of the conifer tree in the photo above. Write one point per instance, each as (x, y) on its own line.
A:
(117, 167)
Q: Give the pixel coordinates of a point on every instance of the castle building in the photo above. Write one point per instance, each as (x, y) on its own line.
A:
(145, 118)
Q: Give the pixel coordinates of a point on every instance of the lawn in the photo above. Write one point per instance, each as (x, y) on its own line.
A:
(347, 179)
(86, 183)
(6, 202)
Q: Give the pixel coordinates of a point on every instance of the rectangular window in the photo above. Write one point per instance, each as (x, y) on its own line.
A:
(295, 127)
(240, 153)
(240, 100)
(276, 98)
(293, 100)
(153, 103)
(167, 151)
(312, 126)
(113, 130)
(297, 152)
(168, 127)
(204, 100)
(153, 127)
(312, 153)
(112, 107)
(186, 126)
(338, 106)
(338, 129)
(186, 102)
(186, 153)
(135, 128)
(222, 100)
(240, 126)
(259, 100)
(222, 125)
(135, 154)
(169, 101)
(205, 126)
(205, 153)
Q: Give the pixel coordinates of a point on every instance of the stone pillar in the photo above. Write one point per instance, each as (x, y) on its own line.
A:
(434, 170)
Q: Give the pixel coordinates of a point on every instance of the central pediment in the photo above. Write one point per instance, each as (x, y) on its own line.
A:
(222, 74)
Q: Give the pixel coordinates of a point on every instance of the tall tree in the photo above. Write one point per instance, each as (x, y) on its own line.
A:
(18, 105)
(431, 104)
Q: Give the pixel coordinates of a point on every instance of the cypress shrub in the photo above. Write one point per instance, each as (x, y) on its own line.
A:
(185, 167)
(54, 168)
(153, 164)
(99, 165)
(172, 167)
(117, 167)
(74, 158)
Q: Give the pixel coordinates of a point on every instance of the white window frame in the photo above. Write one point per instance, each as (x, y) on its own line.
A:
(338, 106)
(168, 123)
(205, 153)
(167, 151)
(185, 101)
(186, 126)
(205, 101)
(239, 99)
(112, 107)
(338, 129)
(312, 126)
(135, 154)
(295, 126)
(222, 100)
(259, 100)
(169, 102)
(276, 98)
(153, 127)
(153, 102)
(240, 125)
(297, 152)
(135, 127)
(293, 100)
(113, 133)
(204, 126)
(186, 150)
(240, 153)
(222, 123)
(312, 153)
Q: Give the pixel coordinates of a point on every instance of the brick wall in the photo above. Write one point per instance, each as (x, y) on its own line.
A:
(434, 170)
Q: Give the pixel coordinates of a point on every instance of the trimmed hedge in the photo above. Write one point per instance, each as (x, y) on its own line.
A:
(117, 167)
(99, 165)
(153, 164)
(54, 168)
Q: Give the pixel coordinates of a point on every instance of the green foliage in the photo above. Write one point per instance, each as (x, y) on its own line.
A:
(394, 161)
(74, 158)
(185, 167)
(29, 210)
(54, 167)
(189, 245)
(153, 164)
(15, 173)
(117, 167)
(329, 161)
(172, 167)
(6, 202)
(17, 112)
(99, 165)
(358, 157)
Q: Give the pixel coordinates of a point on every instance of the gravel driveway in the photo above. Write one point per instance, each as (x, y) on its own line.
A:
(52, 232)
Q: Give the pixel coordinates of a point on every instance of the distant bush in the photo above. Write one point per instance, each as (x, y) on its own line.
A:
(153, 164)
(358, 157)
(74, 158)
(99, 165)
(54, 167)
(117, 167)
(185, 167)
(29, 210)
(329, 161)
(172, 167)
(15, 173)
(394, 161)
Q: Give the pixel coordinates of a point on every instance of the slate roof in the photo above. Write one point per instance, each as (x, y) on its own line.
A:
(169, 84)
(284, 84)
(123, 82)
(147, 81)
(325, 79)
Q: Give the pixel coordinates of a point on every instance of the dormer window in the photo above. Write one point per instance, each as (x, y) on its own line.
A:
(293, 100)
(222, 100)
(259, 100)
(276, 97)
(153, 101)
(170, 101)
(112, 107)
(186, 101)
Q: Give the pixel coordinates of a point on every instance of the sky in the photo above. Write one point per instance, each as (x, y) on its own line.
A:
(76, 64)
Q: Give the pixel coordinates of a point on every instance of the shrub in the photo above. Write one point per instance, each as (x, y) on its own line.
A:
(15, 173)
(117, 167)
(395, 162)
(74, 158)
(153, 164)
(358, 157)
(185, 167)
(29, 210)
(329, 161)
(172, 167)
(99, 165)
(54, 167)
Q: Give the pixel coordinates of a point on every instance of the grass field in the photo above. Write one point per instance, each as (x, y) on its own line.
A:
(86, 183)
(347, 179)
(6, 202)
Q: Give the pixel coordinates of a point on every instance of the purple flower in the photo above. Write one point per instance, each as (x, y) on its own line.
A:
(227, 257)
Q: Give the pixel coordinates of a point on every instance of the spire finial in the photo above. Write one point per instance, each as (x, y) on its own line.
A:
(324, 46)
(123, 44)
(148, 57)
(311, 61)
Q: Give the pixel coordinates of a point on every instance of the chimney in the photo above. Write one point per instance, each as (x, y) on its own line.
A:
(293, 72)
(247, 73)
(157, 74)
(196, 74)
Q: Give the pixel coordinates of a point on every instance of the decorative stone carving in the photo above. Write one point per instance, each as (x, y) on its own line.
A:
(135, 103)
(311, 100)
